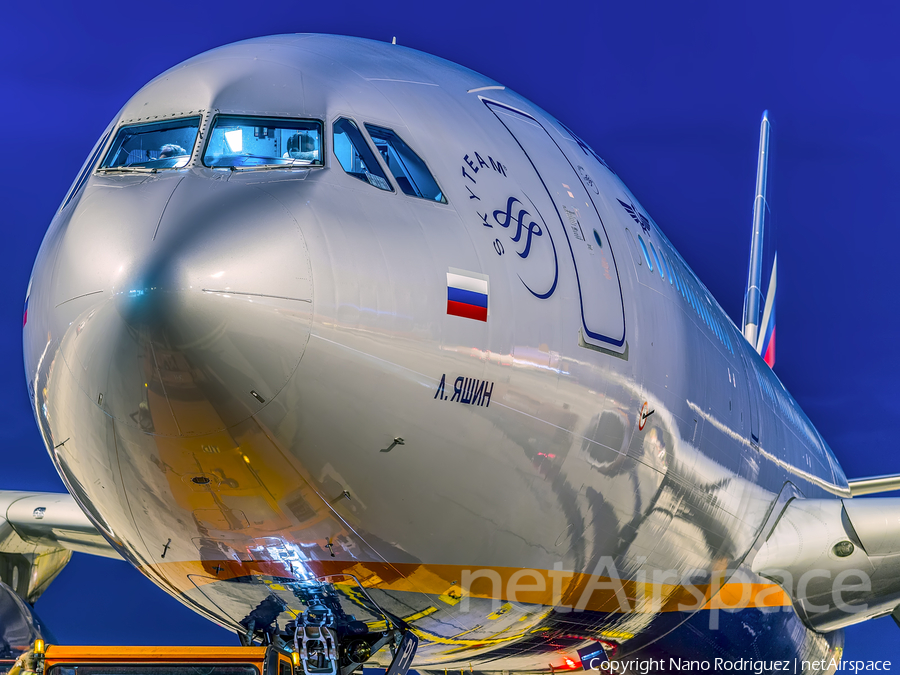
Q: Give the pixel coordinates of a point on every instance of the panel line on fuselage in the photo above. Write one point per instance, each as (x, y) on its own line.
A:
(790, 468)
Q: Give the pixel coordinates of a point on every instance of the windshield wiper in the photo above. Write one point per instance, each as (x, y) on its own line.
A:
(132, 169)
(268, 167)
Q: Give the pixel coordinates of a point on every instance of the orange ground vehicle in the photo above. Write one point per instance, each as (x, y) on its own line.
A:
(69, 660)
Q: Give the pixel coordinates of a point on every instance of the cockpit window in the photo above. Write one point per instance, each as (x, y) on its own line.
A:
(157, 145)
(409, 170)
(355, 156)
(263, 143)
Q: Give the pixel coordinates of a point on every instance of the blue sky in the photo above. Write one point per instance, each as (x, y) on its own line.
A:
(670, 94)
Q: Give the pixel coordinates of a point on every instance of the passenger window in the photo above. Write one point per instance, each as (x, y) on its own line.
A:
(674, 276)
(409, 170)
(355, 156)
(656, 260)
(668, 266)
(263, 143)
(646, 254)
(157, 145)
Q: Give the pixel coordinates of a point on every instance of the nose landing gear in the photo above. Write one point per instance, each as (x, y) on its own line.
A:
(330, 642)
(315, 643)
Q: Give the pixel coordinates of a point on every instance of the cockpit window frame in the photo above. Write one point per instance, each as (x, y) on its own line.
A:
(376, 156)
(90, 166)
(414, 191)
(211, 125)
(122, 124)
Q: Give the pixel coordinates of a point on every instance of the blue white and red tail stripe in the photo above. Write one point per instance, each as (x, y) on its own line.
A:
(25, 312)
(768, 352)
(467, 294)
(766, 344)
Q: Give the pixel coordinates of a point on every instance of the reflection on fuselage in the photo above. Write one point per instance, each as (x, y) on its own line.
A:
(224, 362)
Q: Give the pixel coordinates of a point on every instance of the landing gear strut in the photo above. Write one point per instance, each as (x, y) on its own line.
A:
(331, 642)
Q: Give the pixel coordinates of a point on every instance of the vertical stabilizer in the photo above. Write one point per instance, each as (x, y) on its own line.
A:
(753, 296)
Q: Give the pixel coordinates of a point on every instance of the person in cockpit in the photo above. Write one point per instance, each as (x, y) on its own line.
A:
(301, 146)
(171, 150)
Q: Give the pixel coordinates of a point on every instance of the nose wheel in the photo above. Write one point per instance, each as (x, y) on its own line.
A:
(330, 642)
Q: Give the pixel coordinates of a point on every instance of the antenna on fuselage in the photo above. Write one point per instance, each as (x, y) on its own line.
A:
(394, 41)
(753, 295)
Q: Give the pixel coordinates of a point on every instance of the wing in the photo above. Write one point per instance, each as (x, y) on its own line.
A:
(38, 532)
(838, 559)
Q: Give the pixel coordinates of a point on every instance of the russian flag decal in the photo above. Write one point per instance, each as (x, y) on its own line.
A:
(467, 294)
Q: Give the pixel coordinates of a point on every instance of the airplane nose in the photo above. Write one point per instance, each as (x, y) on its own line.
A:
(203, 315)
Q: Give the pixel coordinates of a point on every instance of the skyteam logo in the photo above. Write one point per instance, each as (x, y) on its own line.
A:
(636, 215)
(517, 230)
(506, 218)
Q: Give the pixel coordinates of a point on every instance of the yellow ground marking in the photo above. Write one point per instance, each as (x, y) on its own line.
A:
(616, 634)
(420, 615)
(452, 595)
(505, 608)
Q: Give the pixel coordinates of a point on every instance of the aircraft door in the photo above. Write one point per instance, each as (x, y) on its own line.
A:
(599, 290)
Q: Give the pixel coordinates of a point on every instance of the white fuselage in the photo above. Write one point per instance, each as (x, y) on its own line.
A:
(222, 363)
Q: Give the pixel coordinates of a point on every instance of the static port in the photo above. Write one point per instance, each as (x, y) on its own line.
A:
(200, 480)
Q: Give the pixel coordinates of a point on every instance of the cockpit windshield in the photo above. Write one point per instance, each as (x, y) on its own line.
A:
(263, 142)
(156, 145)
